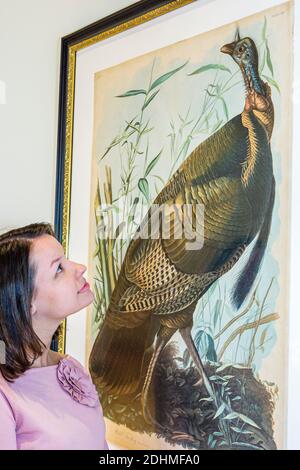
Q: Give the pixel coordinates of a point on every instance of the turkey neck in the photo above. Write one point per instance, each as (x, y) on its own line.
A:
(258, 97)
(258, 119)
(252, 78)
(257, 169)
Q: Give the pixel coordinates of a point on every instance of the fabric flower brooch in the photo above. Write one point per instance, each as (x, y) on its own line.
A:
(76, 381)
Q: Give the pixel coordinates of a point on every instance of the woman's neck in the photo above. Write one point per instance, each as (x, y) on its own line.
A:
(45, 332)
(48, 358)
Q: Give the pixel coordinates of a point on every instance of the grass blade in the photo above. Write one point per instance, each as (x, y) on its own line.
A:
(269, 61)
(152, 163)
(166, 76)
(204, 68)
(149, 100)
(132, 93)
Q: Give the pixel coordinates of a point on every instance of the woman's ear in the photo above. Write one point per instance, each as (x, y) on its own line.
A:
(33, 309)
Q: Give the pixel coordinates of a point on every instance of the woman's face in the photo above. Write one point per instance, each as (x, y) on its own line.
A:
(60, 288)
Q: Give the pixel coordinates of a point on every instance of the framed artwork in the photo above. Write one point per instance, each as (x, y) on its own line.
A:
(174, 162)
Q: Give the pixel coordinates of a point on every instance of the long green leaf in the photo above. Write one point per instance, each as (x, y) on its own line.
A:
(264, 30)
(263, 337)
(262, 64)
(217, 312)
(217, 378)
(242, 417)
(152, 163)
(132, 93)
(204, 68)
(230, 364)
(272, 82)
(246, 445)
(225, 107)
(149, 100)
(248, 420)
(198, 338)
(143, 186)
(222, 367)
(239, 430)
(230, 416)
(211, 351)
(166, 76)
(220, 410)
(269, 61)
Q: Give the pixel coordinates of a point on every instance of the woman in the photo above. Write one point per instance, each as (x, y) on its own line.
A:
(47, 401)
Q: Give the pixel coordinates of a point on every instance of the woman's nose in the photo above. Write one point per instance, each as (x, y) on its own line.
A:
(80, 268)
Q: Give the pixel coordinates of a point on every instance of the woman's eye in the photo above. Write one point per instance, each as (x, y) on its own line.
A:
(59, 269)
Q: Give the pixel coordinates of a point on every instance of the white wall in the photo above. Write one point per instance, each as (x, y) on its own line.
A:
(30, 33)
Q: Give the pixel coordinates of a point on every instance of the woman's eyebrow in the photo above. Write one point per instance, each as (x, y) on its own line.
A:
(55, 261)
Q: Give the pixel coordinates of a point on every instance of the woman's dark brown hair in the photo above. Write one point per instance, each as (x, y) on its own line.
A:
(17, 275)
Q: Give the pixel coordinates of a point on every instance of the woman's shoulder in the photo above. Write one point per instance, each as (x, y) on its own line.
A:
(7, 394)
(66, 359)
(3, 383)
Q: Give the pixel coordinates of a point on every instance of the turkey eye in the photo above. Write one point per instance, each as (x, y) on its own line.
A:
(241, 49)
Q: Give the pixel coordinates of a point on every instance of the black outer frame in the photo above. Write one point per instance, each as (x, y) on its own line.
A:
(108, 22)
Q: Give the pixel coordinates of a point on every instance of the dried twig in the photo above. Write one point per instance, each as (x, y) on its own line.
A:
(248, 326)
(240, 315)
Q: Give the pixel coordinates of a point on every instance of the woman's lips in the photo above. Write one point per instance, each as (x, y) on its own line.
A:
(84, 288)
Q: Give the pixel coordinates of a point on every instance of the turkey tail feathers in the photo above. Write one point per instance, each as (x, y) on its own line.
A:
(117, 358)
(247, 277)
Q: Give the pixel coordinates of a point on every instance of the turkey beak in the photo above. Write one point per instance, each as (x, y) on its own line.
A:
(228, 48)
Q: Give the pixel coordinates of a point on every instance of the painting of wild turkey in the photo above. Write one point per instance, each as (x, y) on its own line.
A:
(181, 333)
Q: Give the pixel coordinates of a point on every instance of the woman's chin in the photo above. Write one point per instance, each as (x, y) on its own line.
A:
(85, 300)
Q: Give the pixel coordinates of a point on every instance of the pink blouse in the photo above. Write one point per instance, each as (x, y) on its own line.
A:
(54, 407)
